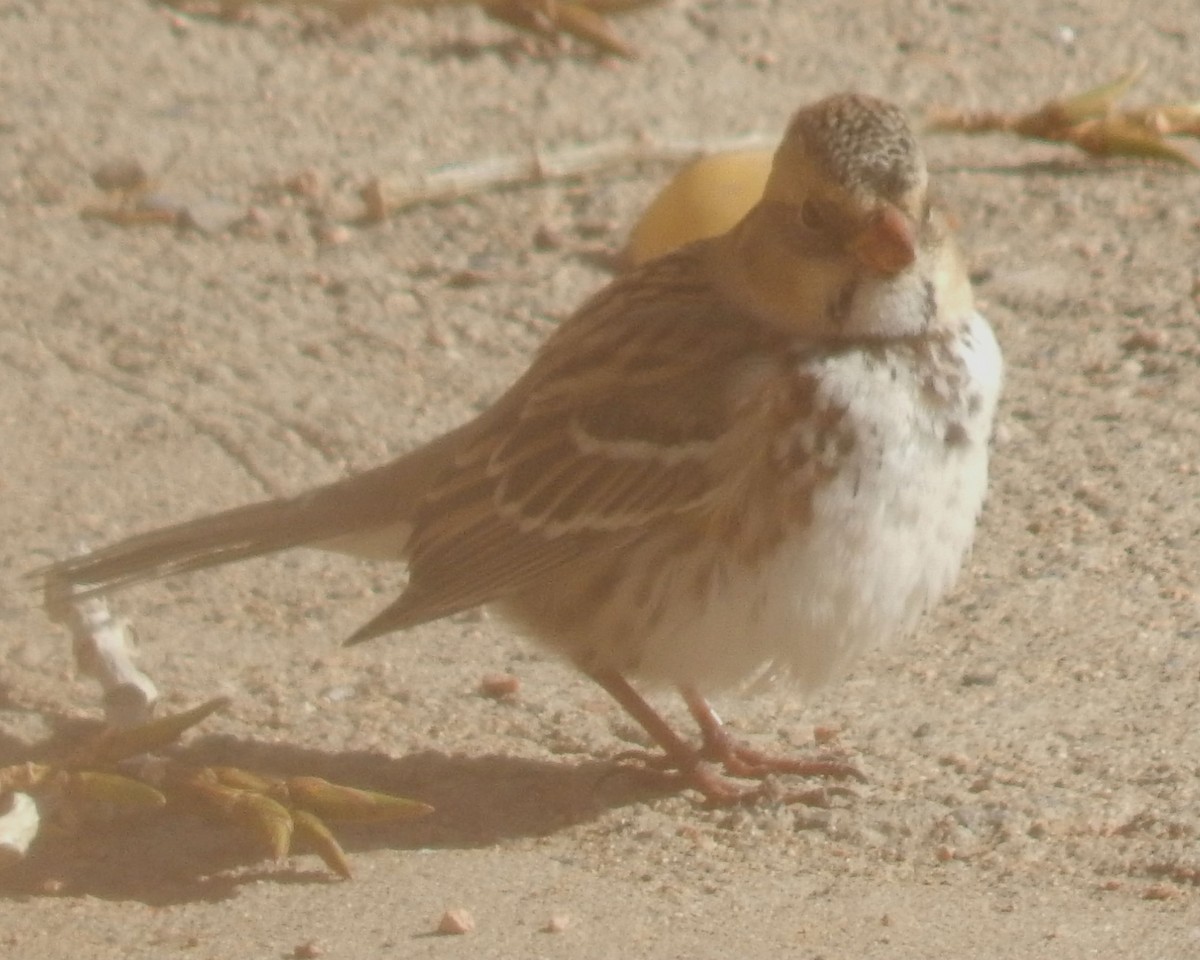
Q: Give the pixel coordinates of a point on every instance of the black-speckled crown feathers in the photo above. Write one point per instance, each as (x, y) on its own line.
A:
(861, 141)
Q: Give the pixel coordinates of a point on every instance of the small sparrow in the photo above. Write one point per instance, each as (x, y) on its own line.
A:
(752, 458)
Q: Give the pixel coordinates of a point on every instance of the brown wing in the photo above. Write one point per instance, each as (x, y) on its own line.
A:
(614, 428)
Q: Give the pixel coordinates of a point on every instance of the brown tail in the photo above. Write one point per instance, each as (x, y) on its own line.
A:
(366, 514)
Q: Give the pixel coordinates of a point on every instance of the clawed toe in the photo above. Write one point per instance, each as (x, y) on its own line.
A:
(740, 760)
(722, 783)
(715, 769)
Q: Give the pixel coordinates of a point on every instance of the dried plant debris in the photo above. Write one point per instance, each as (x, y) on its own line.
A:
(123, 767)
(721, 180)
(103, 649)
(1093, 122)
(585, 20)
(130, 197)
(711, 193)
(121, 770)
(393, 193)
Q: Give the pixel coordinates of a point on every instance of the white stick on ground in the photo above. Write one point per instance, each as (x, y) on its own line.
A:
(103, 650)
(391, 193)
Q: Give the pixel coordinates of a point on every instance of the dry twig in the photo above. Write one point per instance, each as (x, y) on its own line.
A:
(393, 193)
(583, 19)
(1092, 122)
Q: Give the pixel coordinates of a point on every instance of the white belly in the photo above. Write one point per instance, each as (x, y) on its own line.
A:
(887, 537)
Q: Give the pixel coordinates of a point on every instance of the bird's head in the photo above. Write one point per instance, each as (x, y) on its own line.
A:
(844, 242)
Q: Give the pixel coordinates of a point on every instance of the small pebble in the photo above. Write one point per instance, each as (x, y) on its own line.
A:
(1146, 340)
(375, 202)
(557, 923)
(120, 173)
(500, 686)
(331, 234)
(456, 921)
(466, 279)
(307, 183)
(547, 238)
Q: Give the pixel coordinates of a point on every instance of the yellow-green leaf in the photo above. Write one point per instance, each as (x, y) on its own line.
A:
(122, 792)
(1098, 101)
(337, 802)
(324, 843)
(116, 745)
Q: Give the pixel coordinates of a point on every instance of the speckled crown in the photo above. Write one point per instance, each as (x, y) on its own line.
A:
(860, 141)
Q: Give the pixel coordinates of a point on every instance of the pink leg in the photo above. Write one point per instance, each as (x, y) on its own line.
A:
(695, 767)
(741, 760)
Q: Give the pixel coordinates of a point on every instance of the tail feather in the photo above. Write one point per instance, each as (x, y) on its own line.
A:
(238, 534)
(366, 514)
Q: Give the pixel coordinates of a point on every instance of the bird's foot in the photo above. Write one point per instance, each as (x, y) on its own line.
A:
(721, 781)
(742, 760)
(739, 759)
(722, 760)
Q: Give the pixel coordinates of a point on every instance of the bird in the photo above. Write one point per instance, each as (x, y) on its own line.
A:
(746, 461)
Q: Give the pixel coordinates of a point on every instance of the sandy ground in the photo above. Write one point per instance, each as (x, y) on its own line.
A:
(1034, 755)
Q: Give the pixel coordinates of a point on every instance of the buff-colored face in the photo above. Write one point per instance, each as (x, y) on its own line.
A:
(850, 170)
(844, 221)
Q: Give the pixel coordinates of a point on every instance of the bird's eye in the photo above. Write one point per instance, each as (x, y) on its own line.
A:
(820, 216)
(814, 215)
(815, 227)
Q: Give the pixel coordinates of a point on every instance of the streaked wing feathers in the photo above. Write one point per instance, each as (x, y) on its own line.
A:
(613, 429)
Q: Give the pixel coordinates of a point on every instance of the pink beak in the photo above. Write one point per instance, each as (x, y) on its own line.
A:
(887, 244)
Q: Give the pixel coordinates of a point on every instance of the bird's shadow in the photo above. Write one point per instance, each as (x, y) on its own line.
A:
(167, 857)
